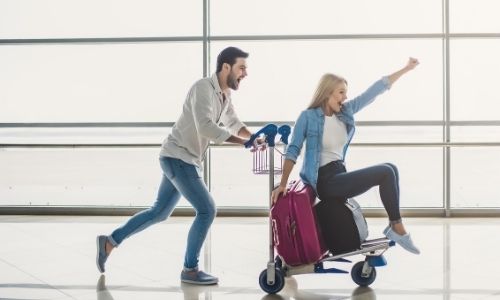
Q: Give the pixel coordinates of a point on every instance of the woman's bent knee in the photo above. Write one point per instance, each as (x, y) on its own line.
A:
(394, 169)
(389, 169)
(392, 166)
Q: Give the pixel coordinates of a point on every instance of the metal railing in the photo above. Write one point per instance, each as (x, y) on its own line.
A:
(446, 210)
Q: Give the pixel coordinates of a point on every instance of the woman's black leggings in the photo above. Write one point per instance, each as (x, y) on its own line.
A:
(336, 184)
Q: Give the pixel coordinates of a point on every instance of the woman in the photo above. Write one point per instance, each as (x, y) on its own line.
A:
(328, 126)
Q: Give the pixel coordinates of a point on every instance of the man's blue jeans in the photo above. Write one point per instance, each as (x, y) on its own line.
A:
(179, 178)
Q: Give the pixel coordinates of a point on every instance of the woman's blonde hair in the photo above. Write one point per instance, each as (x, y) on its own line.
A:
(326, 86)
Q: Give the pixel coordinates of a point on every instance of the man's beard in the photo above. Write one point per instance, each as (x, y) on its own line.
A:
(232, 82)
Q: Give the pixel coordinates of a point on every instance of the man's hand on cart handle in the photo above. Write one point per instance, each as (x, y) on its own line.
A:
(259, 144)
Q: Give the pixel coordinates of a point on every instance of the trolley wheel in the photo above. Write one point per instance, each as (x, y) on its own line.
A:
(357, 275)
(279, 281)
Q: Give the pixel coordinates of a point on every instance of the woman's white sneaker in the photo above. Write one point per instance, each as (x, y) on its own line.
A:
(404, 241)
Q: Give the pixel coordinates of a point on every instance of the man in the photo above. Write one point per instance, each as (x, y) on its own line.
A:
(207, 104)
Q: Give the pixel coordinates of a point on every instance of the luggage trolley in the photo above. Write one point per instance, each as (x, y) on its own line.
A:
(272, 279)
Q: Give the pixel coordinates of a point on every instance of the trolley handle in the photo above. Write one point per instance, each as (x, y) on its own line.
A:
(284, 131)
(270, 131)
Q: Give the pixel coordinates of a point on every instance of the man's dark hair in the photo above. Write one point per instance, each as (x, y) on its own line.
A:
(229, 56)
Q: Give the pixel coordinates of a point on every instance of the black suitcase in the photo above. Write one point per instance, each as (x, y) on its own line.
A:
(341, 233)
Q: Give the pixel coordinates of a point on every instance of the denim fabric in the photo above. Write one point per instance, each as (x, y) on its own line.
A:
(178, 178)
(309, 128)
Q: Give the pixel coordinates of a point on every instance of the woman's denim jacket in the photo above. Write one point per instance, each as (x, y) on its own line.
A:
(309, 127)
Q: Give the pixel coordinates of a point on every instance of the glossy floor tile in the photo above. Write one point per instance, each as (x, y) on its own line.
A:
(47, 257)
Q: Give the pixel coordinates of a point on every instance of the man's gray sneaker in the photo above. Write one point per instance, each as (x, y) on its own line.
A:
(196, 276)
(101, 256)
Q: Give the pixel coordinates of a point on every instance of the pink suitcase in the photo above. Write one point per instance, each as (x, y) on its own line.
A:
(296, 235)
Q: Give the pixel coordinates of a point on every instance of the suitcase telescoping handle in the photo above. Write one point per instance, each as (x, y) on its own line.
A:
(270, 131)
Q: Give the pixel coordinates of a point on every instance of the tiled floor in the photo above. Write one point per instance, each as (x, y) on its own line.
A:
(50, 257)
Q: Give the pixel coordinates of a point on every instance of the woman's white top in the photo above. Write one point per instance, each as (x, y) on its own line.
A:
(334, 140)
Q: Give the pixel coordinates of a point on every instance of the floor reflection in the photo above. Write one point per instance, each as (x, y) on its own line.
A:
(102, 290)
(292, 291)
(193, 291)
(189, 291)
